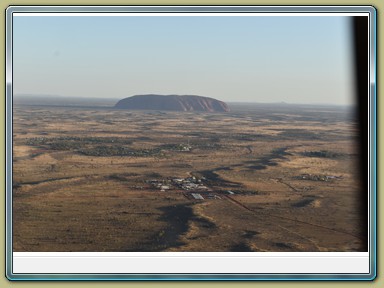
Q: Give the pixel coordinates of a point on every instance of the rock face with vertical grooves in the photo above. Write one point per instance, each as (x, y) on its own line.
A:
(172, 103)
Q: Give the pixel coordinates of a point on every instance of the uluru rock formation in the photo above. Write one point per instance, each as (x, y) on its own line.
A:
(172, 103)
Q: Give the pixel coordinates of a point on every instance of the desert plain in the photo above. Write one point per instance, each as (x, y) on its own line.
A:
(277, 178)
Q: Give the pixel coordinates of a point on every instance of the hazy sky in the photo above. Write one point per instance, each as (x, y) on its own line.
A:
(243, 59)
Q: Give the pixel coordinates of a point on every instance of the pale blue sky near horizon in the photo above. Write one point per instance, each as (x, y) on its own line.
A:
(296, 59)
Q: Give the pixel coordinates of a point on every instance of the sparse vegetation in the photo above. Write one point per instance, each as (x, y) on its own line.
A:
(323, 154)
(280, 151)
(74, 143)
(296, 134)
(105, 180)
(247, 136)
(106, 151)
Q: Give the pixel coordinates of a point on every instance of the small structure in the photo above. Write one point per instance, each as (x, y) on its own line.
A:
(197, 196)
(185, 148)
(164, 187)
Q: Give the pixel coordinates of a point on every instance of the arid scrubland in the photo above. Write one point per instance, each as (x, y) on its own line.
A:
(258, 178)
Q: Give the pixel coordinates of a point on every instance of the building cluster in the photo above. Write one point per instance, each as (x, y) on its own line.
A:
(190, 183)
(318, 177)
(193, 187)
(187, 184)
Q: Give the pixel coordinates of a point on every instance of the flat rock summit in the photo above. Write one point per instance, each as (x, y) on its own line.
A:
(172, 103)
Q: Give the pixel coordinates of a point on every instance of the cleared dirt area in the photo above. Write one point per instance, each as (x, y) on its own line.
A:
(259, 178)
